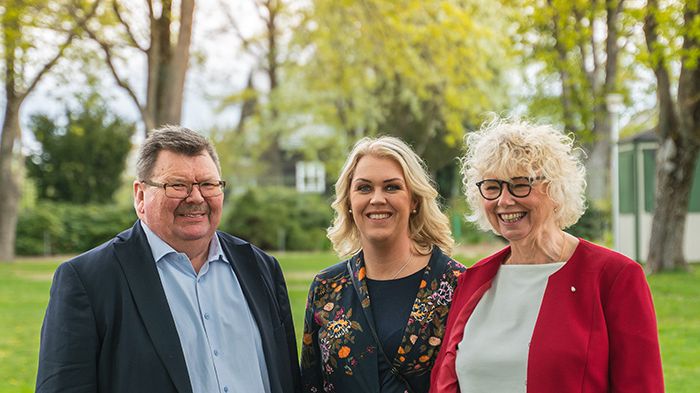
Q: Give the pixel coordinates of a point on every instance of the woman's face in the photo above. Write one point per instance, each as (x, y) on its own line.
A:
(521, 218)
(380, 200)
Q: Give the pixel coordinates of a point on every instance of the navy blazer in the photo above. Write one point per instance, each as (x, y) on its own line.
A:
(108, 326)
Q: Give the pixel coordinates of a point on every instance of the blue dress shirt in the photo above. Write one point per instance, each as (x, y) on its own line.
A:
(219, 336)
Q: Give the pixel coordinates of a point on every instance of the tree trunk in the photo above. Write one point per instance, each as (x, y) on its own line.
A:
(167, 66)
(9, 189)
(598, 162)
(679, 136)
(674, 175)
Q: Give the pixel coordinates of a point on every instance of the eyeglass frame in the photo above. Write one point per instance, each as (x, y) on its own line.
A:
(190, 187)
(509, 185)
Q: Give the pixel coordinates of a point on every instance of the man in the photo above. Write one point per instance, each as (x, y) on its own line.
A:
(170, 305)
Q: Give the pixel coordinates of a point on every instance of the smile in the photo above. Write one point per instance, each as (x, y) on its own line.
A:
(378, 216)
(511, 217)
(193, 215)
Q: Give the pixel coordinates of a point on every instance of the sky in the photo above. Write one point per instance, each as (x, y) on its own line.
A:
(217, 68)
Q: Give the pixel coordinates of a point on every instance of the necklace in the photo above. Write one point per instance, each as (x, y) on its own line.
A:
(408, 261)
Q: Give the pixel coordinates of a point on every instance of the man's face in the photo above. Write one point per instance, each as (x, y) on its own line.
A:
(180, 222)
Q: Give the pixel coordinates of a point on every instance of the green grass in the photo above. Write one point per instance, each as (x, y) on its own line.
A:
(24, 291)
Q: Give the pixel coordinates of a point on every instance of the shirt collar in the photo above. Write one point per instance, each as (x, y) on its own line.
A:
(159, 248)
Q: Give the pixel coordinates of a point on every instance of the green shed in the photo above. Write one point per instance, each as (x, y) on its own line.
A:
(637, 178)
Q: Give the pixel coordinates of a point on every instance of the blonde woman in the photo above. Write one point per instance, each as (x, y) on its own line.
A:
(550, 313)
(375, 322)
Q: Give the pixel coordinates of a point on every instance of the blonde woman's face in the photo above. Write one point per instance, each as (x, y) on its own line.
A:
(380, 200)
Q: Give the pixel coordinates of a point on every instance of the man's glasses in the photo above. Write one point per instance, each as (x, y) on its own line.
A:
(519, 187)
(183, 190)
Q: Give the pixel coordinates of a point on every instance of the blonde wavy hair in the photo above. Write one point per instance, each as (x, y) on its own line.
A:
(428, 227)
(505, 148)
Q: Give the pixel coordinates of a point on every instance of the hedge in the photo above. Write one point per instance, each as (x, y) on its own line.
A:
(59, 228)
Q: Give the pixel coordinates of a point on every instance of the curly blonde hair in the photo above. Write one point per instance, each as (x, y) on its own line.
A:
(428, 227)
(505, 148)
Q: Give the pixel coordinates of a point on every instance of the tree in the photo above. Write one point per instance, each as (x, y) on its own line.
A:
(678, 126)
(385, 67)
(265, 117)
(82, 161)
(425, 71)
(25, 28)
(119, 33)
(578, 44)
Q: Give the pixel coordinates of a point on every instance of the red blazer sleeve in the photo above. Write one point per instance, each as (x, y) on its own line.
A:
(635, 360)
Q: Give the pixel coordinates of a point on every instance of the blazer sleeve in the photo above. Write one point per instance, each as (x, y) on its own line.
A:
(69, 340)
(311, 377)
(285, 310)
(443, 377)
(635, 359)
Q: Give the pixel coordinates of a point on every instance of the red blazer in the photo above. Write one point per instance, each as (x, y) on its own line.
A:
(595, 332)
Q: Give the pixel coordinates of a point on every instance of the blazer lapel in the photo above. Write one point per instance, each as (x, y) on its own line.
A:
(260, 301)
(135, 257)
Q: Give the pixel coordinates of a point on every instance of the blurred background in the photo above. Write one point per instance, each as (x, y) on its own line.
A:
(285, 87)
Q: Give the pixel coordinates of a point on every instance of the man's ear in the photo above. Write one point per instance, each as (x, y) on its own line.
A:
(138, 198)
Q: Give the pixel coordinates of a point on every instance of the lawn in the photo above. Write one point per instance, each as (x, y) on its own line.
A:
(24, 289)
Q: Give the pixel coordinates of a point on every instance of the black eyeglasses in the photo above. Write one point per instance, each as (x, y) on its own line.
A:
(208, 189)
(519, 187)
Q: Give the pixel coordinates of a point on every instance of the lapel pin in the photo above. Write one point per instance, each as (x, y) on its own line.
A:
(573, 289)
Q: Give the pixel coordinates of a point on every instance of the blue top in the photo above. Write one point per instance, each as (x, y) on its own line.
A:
(392, 302)
(218, 334)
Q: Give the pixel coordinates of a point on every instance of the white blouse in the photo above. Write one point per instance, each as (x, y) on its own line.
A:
(492, 356)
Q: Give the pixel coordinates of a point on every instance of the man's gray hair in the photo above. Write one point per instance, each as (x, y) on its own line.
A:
(176, 139)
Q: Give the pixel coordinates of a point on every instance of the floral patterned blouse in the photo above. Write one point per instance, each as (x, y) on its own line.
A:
(339, 353)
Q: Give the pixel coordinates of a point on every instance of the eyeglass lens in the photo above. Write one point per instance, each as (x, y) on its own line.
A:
(492, 188)
(184, 190)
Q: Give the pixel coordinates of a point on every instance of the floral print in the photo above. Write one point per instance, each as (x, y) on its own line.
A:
(339, 353)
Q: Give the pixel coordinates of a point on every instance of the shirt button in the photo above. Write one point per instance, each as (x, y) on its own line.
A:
(206, 315)
(216, 353)
(225, 388)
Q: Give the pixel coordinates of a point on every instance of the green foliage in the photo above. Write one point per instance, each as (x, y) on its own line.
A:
(280, 218)
(593, 225)
(463, 230)
(565, 53)
(59, 228)
(425, 71)
(81, 161)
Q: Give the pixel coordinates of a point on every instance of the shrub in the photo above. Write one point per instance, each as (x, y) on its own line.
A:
(278, 218)
(37, 227)
(465, 232)
(593, 225)
(59, 228)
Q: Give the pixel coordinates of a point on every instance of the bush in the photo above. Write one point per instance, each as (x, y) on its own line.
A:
(593, 225)
(465, 232)
(37, 227)
(59, 228)
(278, 218)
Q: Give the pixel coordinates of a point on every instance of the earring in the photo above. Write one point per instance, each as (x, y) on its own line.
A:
(350, 211)
(414, 211)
